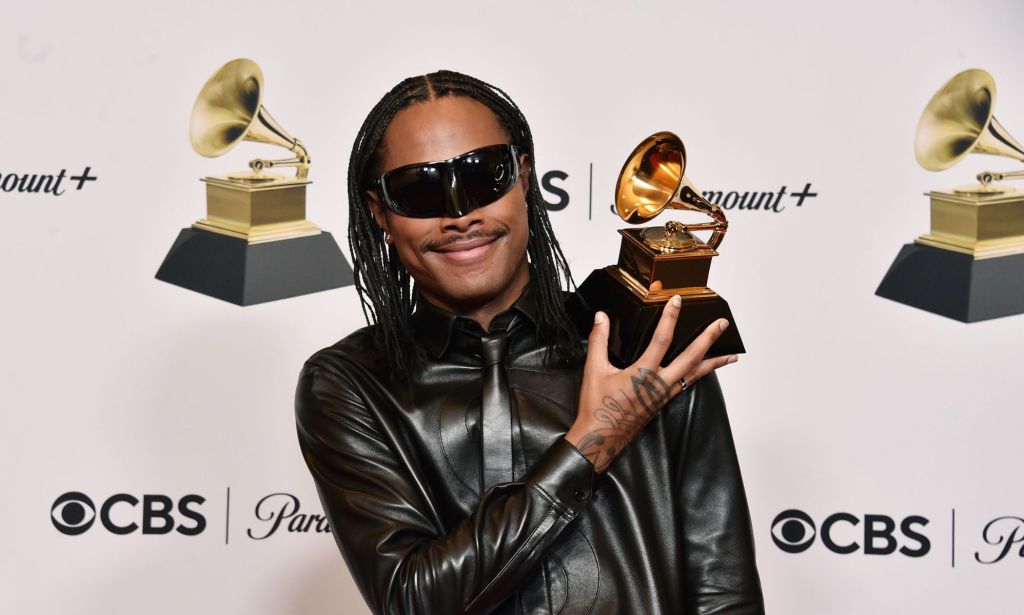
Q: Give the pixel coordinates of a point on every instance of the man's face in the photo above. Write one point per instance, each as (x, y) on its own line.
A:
(461, 264)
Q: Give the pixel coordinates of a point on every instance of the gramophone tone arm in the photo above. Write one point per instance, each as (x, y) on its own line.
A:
(987, 177)
(717, 229)
(259, 164)
(300, 162)
(689, 198)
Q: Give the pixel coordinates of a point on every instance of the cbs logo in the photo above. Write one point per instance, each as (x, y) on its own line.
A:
(73, 513)
(794, 531)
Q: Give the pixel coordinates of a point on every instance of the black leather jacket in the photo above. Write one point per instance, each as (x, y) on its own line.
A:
(396, 459)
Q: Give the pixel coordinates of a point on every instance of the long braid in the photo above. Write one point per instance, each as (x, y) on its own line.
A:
(385, 287)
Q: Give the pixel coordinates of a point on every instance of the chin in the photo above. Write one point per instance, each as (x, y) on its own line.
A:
(470, 295)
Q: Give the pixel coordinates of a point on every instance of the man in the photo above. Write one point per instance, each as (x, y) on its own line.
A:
(468, 458)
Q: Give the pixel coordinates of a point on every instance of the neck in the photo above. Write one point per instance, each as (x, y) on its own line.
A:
(485, 312)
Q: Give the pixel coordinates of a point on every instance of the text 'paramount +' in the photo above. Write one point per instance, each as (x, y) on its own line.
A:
(45, 183)
(283, 510)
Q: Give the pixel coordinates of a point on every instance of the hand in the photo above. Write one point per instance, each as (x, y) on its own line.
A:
(616, 404)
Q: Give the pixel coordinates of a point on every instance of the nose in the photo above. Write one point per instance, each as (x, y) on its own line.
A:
(464, 223)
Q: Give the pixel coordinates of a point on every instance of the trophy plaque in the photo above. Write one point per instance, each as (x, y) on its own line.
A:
(255, 244)
(970, 266)
(657, 262)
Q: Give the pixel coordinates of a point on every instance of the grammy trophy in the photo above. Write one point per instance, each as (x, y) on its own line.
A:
(254, 244)
(970, 266)
(653, 179)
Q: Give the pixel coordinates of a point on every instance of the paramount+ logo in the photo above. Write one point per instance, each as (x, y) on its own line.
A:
(794, 531)
(74, 513)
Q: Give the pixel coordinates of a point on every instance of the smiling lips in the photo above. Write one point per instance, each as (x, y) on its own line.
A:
(466, 251)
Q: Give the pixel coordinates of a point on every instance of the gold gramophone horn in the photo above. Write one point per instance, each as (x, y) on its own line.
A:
(229, 109)
(653, 179)
(958, 121)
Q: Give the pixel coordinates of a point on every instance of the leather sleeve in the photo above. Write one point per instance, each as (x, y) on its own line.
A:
(402, 556)
(721, 573)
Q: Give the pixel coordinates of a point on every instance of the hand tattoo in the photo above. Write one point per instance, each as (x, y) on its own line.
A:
(650, 390)
(620, 422)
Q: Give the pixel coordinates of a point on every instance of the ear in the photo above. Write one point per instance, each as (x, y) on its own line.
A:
(525, 168)
(373, 200)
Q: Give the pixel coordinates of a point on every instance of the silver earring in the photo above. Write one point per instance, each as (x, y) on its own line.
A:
(387, 237)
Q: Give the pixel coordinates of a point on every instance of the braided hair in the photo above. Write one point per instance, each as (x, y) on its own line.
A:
(385, 288)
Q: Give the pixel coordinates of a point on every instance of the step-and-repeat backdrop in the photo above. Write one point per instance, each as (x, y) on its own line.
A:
(150, 462)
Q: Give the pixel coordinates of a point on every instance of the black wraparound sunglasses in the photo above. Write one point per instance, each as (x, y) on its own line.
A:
(452, 187)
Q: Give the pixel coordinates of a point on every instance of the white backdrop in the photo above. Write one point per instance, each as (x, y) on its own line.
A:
(116, 383)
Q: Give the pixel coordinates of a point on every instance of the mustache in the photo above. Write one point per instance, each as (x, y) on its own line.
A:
(463, 238)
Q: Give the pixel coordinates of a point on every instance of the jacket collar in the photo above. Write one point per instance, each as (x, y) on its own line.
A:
(434, 326)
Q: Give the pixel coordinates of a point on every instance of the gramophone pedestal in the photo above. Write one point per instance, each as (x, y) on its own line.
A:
(243, 273)
(634, 319)
(682, 269)
(257, 211)
(981, 224)
(955, 284)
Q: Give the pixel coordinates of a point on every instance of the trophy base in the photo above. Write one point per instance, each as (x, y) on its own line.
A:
(633, 319)
(257, 208)
(954, 284)
(687, 268)
(243, 273)
(981, 224)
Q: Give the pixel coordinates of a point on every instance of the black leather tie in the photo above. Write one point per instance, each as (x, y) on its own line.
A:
(496, 411)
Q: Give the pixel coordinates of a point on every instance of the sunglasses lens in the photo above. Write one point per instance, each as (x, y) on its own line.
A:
(487, 174)
(478, 178)
(417, 191)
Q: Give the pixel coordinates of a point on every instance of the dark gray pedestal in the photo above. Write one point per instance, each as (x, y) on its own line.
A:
(955, 285)
(236, 271)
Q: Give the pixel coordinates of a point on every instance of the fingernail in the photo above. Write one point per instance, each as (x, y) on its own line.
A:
(723, 325)
(677, 300)
(598, 318)
(732, 359)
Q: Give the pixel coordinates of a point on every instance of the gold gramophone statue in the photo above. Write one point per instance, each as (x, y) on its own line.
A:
(970, 266)
(669, 258)
(254, 244)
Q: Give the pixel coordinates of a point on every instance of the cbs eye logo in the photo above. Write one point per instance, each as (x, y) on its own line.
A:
(73, 513)
(793, 531)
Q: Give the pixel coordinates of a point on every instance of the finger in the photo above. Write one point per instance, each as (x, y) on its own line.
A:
(597, 343)
(663, 333)
(709, 365)
(656, 285)
(693, 354)
(703, 369)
